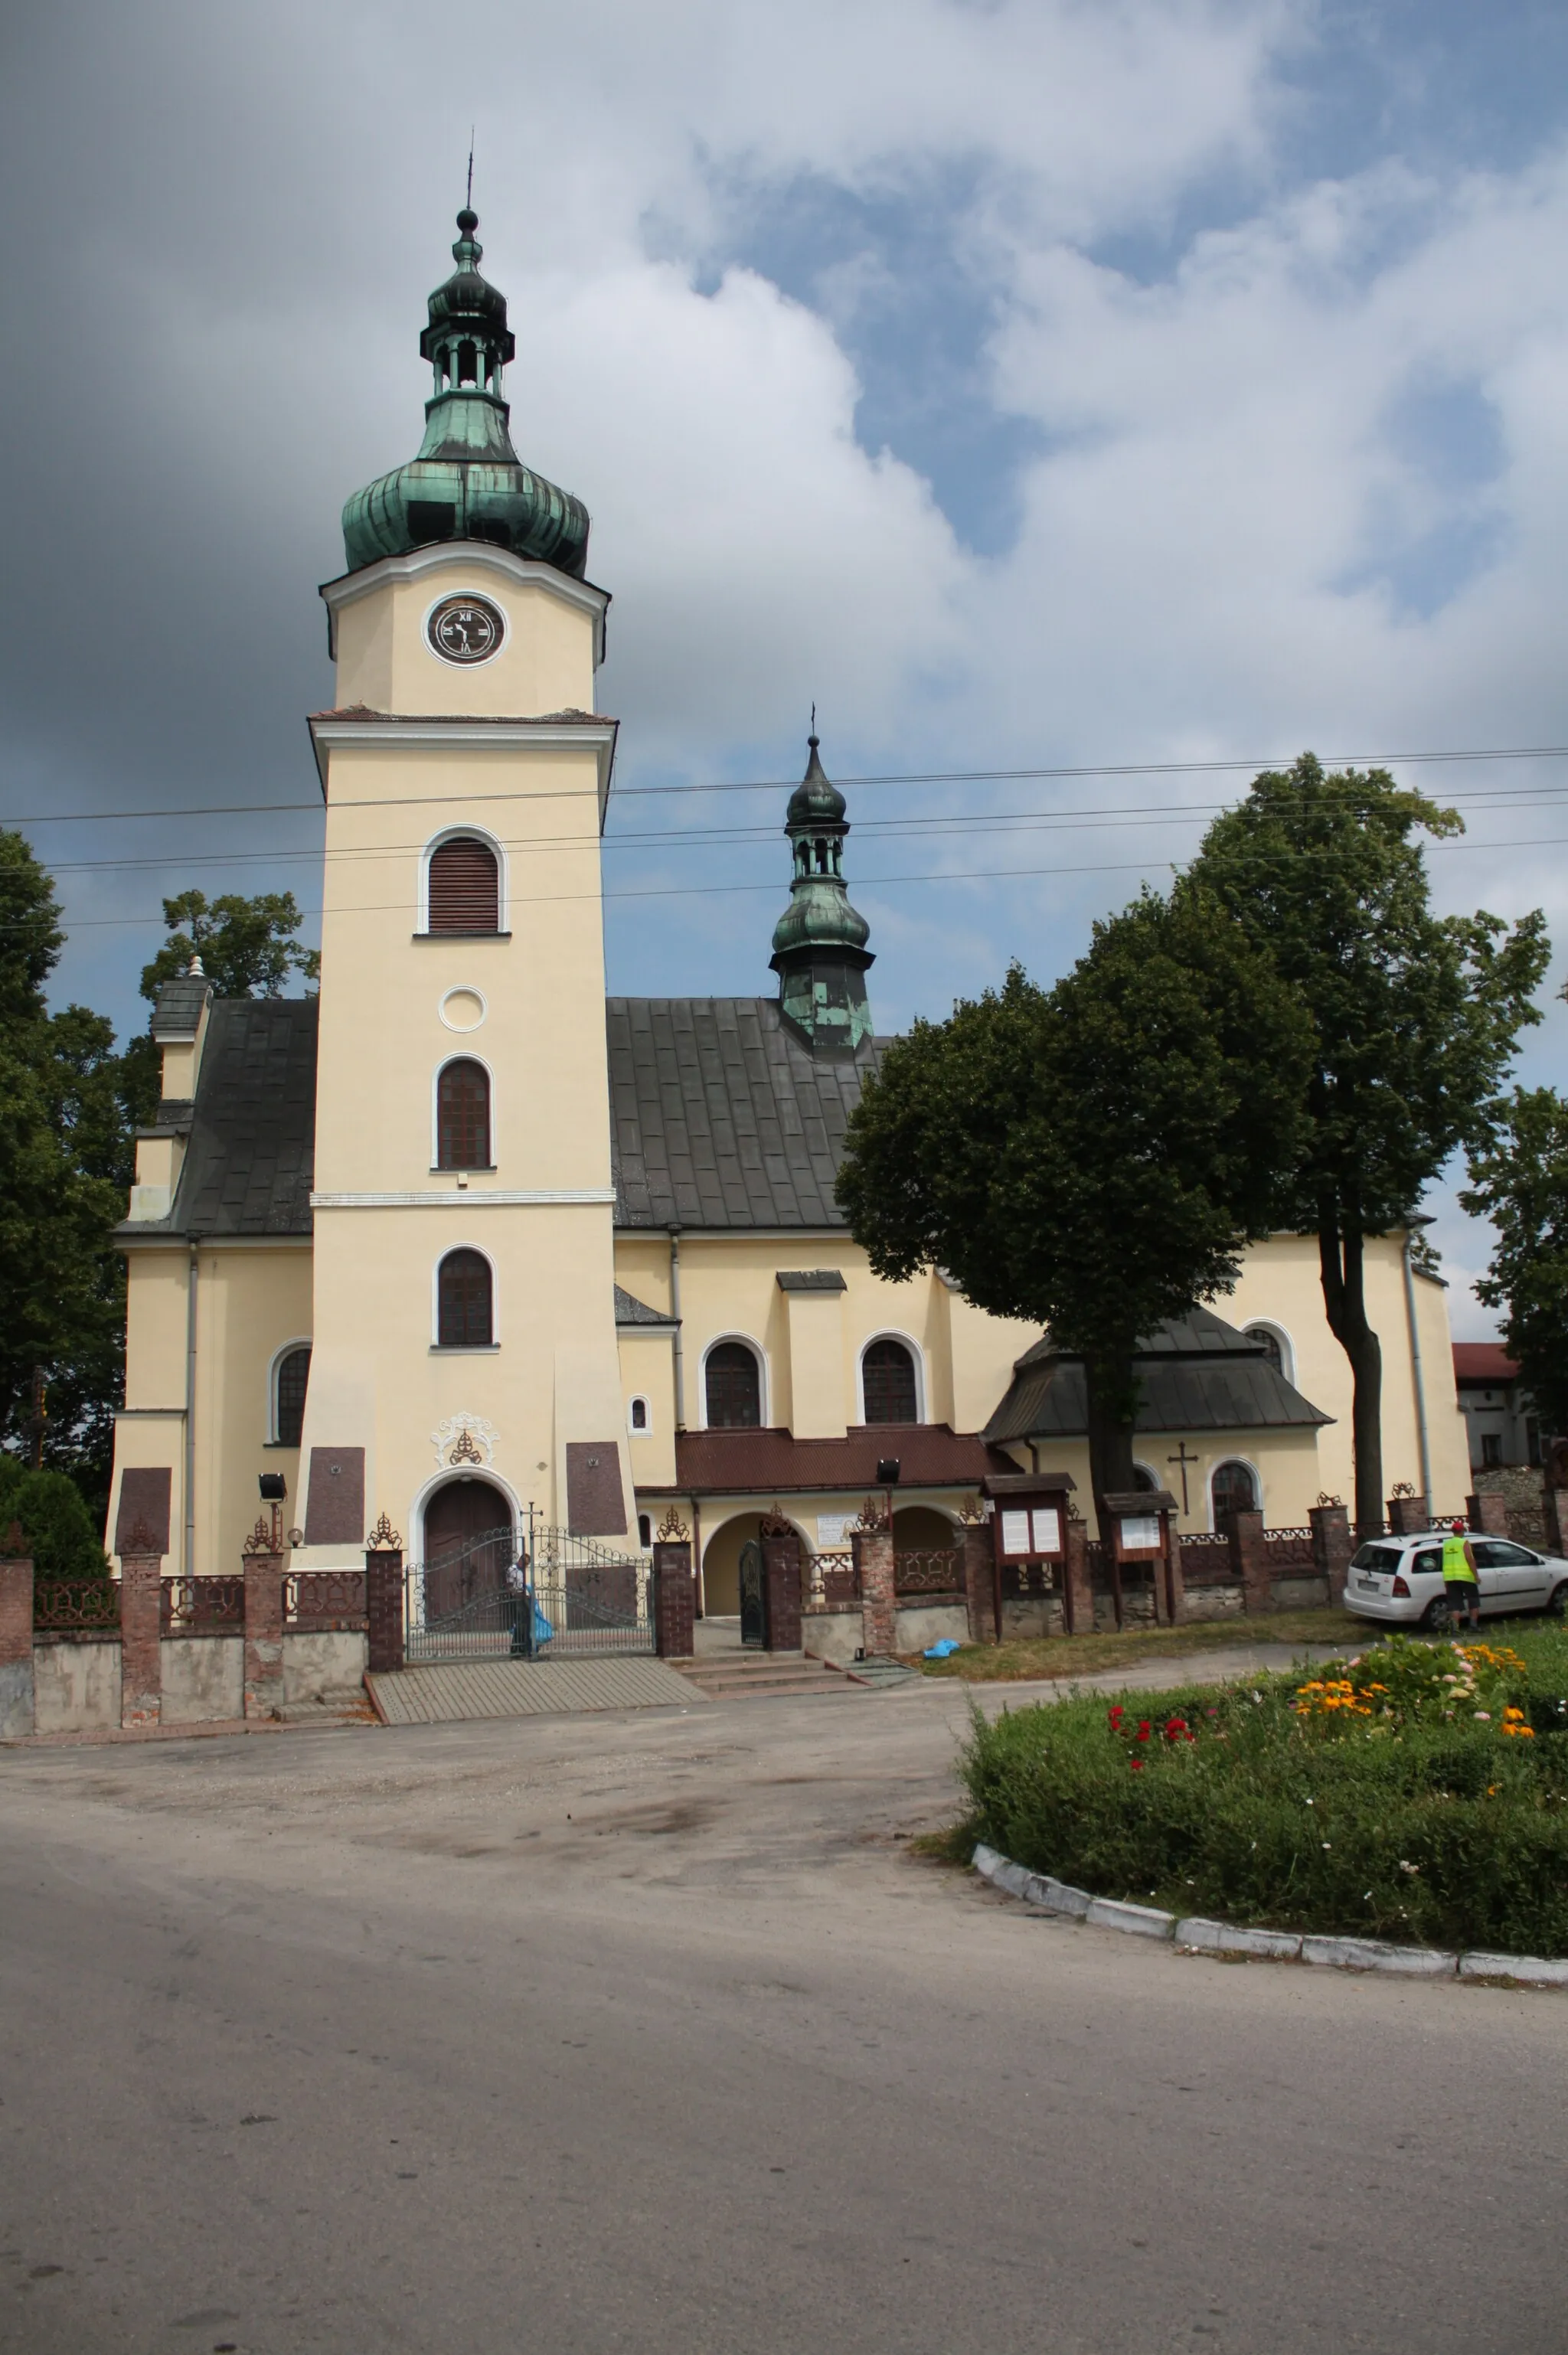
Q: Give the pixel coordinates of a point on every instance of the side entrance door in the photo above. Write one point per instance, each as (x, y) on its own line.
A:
(754, 1607)
(468, 1543)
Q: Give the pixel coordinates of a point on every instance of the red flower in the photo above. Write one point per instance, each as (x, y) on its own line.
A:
(1144, 1731)
(1136, 1765)
(1116, 1715)
(1175, 1727)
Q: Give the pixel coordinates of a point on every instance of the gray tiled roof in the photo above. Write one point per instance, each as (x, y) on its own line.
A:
(720, 1117)
(180, 1001)
(249, 1166)
(629, 1310)
(1195, 1373)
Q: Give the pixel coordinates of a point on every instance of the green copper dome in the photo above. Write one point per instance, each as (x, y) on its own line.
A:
(468, 482)
(820, 943)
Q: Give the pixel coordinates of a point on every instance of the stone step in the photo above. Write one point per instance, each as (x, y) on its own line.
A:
(761, 1674)
(880, 1674)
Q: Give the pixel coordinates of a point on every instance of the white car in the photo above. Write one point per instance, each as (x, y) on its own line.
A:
(1401, 1579)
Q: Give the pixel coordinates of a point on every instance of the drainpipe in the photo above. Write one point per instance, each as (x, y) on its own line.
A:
(675, 1312)
(1417, 1377)
(190, 1419)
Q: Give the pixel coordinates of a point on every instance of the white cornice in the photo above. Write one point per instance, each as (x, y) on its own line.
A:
(472, 556)
(381, 730)
(467, 1198)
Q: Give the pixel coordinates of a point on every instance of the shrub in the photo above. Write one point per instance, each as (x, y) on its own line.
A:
(1431, 1822)
(56, 1528)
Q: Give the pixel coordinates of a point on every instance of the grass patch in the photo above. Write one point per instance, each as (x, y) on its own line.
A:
(1083, 1655)
(1400, 1800)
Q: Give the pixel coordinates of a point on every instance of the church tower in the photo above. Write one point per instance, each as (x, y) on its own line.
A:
(464, 1361)
(820, 943)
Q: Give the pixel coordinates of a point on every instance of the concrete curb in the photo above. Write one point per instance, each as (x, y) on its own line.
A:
(1192, 1933)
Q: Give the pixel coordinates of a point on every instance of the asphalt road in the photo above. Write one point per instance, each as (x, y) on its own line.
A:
(648, 2032)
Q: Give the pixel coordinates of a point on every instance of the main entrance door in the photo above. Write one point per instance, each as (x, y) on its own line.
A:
(468, 1543)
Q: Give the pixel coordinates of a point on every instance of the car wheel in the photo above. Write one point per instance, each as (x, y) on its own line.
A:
(1437, 1616)
(1557, 1601)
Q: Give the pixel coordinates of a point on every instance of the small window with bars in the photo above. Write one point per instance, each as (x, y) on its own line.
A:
(291, 1381)
(888, 1378)
(465, 887)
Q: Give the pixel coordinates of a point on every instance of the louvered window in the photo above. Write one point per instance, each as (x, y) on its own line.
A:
(734, 1387)
(465, 887)
(887, 1373)
(294, 1380)
(463, 1288)
(462, 1117)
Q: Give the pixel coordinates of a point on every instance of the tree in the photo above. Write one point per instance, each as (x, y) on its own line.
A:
(1416, 1018)
(1519, 1173)
(1092, 1157)
(56, 1528)
(64, 1163)
(247, 947)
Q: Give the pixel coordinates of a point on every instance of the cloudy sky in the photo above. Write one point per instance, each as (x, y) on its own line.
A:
(1036, 385)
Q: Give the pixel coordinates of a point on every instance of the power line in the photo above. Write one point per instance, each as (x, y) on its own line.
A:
(788, 784)
(924, 829)
(866, 883)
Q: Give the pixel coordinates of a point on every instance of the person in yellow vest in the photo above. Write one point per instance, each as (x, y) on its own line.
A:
(1460, 1584)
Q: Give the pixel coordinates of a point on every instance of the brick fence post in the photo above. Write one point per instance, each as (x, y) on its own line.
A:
(980, 1581)
(674, 1598)
(1487, 1511)
(1408, 1516)
(873, 1552)
(1249, 1560)
(263, 1625)
(1332, 1547)
(781, 1587)
(383, 1600)
(16, 1712)
(141, 1633)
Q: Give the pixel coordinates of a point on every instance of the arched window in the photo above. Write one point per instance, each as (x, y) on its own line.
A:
(887, 1376)
(1143, 1479)
(639, 1419)
(734, 1387)
(462, 1116)
(465, 1318)
(290, 1380)
(1234, 1490)
(465, 887)
(1264, 1337)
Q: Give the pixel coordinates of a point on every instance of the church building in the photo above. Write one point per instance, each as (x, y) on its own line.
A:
(461, 1237)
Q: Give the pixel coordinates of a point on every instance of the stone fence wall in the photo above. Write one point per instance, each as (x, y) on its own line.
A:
(146, 1650)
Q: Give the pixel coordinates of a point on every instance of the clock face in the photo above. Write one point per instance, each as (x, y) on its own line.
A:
(465, 629)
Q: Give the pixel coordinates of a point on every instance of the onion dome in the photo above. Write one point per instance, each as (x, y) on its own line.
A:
(468, 482)
(820, 943)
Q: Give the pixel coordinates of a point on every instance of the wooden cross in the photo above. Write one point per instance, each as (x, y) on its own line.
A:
(1182, 1458)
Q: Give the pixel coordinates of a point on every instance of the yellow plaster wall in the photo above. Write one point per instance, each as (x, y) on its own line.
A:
(648, 1371)
(385, 661)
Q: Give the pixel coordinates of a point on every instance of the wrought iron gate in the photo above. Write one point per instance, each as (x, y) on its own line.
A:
(754, 1605)
(533, 1593)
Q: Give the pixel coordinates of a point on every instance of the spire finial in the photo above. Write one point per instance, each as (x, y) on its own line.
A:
(468, 200)
(813, 738)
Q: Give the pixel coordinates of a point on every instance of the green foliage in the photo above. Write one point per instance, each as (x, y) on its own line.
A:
(64, 1163)
(1416, 1016)
(247, 947)
(60, 1534)
(1519, 1179)
(1432, 1825)
(1094, 1157)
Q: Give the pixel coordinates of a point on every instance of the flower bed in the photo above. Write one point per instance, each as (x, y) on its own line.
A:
(1416, 1792)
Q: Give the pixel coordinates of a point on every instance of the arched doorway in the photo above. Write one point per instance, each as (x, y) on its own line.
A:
(468, 1542)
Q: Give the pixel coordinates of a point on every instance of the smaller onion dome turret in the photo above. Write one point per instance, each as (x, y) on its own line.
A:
(820, 943)
(468, 482)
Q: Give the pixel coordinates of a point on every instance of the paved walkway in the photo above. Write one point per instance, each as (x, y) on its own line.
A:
(459, 1690)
